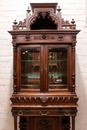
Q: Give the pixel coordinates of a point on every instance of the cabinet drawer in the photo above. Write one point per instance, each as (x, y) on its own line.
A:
(44, 112)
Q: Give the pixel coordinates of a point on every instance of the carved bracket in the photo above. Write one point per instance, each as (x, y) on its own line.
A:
(14, 38)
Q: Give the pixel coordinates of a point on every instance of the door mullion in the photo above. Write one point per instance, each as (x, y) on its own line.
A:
(46, 67)
(42, 69)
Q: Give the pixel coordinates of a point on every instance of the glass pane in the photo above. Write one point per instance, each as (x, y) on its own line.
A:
(30, 68)
(57, 68)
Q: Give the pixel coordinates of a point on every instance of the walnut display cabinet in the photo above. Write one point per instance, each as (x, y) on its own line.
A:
(44, 96)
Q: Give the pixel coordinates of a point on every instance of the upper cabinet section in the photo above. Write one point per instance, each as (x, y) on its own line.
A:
(44, 50)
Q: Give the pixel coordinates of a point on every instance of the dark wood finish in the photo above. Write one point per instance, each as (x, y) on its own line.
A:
(44, 94)
(15, 122)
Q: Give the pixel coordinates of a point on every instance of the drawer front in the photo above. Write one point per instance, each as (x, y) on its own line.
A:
(44, 112)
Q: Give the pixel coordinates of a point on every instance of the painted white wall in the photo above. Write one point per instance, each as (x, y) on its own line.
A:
(16, 9)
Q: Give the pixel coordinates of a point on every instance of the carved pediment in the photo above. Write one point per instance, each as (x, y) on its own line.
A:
(44, 16)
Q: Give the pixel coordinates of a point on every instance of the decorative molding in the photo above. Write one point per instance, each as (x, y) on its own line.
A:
(20, 112)
(67, 112)
(44, 112)
(14, 38)
(43, 37)
(73, 71)
(60, 37)
(27, 37)
(47, 37)
(14, 78)
(73, 38)
(44, 100)
(14, 47)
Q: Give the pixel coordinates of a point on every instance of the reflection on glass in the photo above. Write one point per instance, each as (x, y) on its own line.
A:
(30, 68)
(57, 68)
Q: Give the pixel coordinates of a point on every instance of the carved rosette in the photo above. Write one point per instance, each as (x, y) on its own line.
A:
(60, 37)
(27, 37)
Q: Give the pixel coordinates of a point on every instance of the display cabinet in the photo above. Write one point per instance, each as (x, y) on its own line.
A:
(44, 96)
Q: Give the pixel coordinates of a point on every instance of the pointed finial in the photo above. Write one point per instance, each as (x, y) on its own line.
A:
(58, 9)
(73, 21)
(15, 22)
(28, 10)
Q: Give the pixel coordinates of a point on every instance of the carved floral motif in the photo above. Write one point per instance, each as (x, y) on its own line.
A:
(44, 124)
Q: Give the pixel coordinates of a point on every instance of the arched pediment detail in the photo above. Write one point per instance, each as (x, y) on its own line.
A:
(43, 20)
(56, 20)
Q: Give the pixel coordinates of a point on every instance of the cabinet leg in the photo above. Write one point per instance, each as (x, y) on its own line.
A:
(15, 122)
(73, 122)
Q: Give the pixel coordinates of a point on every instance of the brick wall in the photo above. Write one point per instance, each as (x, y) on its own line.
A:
(16, 9)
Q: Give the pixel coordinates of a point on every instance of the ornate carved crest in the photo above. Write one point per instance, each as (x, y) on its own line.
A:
(44, 18)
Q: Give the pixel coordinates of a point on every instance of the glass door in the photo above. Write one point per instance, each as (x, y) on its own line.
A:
(57, 67)
(30, 67)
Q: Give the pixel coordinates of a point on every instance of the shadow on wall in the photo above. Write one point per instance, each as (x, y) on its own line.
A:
(81, 118)
(9, 118)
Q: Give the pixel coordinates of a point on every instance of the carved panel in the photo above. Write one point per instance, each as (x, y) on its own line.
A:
(44, 36)
(44, 124)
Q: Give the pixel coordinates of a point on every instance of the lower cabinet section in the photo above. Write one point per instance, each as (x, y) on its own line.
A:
(44, 123)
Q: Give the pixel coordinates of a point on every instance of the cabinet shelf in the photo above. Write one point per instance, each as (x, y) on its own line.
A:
(38, 76)
(57, 61)
(57, 75)
(31, 75)
(57, 86)
(30, 60)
